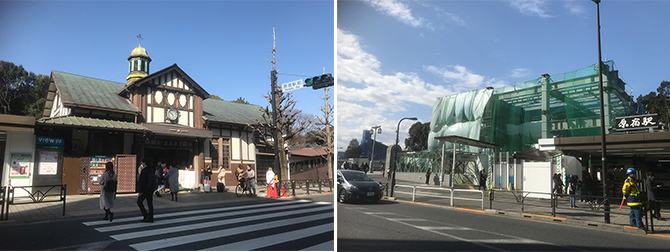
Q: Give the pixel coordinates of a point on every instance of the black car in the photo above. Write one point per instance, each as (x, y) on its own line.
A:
(354, 185)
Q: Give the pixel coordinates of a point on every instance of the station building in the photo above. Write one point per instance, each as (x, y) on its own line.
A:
(164, 116)
(523, 133)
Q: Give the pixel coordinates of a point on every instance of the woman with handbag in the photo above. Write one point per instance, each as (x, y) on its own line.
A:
(108, 183)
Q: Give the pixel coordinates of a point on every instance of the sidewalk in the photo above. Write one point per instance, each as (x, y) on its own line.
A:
(508, 203)
(125, 203)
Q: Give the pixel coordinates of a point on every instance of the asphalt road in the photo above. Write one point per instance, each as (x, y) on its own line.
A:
(402, 226)
(261, 224)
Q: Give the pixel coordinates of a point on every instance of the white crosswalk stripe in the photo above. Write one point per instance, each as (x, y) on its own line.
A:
(246, 227)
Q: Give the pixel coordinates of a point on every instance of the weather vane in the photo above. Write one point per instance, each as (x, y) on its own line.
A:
(139, 38)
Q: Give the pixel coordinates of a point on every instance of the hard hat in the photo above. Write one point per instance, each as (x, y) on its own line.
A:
(630, 170)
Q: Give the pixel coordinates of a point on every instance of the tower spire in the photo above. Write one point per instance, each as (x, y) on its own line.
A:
(139, 38)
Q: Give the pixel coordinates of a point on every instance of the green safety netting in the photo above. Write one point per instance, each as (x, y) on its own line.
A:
(515, 116)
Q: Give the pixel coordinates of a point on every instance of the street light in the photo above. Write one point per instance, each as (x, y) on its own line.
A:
(395, 152)
(375, 130)
(603, 167)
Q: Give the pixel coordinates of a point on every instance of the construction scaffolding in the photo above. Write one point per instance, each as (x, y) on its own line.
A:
(514, 117)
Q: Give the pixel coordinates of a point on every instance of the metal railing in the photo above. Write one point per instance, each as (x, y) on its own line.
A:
(425, 191)
(34, 193)
(307, 185)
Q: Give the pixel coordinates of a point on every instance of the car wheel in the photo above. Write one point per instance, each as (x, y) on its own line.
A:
(342, 196)
(376, 199)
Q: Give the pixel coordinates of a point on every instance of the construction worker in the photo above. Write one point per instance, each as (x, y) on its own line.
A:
(632, 194)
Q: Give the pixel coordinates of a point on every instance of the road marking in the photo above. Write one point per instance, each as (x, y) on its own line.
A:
(544, 216)
(181, 240)
(176, 214)
(405, 219)
(511, 241)
(191, 218)
(378, 213)
(455, 237)
(266, 241)
(443, 228)
(471, 210)
(197, 226)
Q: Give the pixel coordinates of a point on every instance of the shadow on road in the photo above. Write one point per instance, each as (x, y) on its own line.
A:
(423, 245)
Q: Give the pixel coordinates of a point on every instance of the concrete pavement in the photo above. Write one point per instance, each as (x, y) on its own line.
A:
(508, 203)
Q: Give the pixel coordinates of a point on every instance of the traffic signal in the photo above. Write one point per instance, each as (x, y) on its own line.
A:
(321, 81)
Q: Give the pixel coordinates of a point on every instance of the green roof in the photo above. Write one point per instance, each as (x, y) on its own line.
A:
(83, 122)
(91, 92)
(231, 112)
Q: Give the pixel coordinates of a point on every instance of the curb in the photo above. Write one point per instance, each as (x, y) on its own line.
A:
(545, 218)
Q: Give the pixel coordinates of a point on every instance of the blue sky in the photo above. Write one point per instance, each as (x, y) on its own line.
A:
(225, 46)
(394, 58)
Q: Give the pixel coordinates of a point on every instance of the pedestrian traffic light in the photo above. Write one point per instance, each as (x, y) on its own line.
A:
(321, 81)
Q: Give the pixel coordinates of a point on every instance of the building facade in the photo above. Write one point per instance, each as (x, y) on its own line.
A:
(163, 117)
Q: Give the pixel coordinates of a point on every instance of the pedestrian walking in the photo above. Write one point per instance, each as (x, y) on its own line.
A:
(173, 181)
(159, 175)
(139, 170)
(427, 175)
(482, 179)
(251, 179)
(108, 182)
(652, 190)
(558, 184)
(632, 194)
(147, 185)
(270, 181)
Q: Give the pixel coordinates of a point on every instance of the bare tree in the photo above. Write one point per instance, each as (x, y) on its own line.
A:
(326, 133)
(288, 126)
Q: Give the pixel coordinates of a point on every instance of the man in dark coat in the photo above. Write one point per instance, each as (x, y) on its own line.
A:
(147, 185)
(652, 189)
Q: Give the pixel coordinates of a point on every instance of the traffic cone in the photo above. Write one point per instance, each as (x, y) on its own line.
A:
(283, 193)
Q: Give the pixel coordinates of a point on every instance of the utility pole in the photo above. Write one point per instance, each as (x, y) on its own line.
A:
(273, 80)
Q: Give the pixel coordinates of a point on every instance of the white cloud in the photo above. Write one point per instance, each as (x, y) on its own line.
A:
(531, 7)
(366, 97)
(575, 7)
(520, 73)
(397, 10)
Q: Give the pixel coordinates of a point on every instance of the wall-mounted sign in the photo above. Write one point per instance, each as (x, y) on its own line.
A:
(50, 142)
(637, 122)
(48, 163)
(20, 165)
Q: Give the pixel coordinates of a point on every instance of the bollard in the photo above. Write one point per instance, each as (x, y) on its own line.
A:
(330, 185)
(307, 186)
(319, 186)
(553, 204)
(491, 196)
(293, 188)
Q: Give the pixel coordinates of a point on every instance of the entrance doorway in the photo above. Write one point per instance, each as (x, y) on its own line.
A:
(179, 158)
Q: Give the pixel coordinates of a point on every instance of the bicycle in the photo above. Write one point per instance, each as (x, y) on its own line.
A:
(241, 190)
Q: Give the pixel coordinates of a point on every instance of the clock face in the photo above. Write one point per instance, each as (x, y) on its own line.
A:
(173, 114)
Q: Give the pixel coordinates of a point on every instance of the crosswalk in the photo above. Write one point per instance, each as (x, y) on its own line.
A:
(280, 225)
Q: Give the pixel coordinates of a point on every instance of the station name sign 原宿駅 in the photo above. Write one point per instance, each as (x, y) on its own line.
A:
(637, 122)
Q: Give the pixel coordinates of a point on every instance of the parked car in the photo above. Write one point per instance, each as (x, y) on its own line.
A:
(356, 185)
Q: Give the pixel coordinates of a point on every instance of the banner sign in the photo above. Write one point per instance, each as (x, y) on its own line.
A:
(48, 163)
(637, 122)
(20, 165)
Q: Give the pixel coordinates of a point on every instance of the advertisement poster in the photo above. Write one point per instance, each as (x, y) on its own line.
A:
(20, 165)
(48, 163)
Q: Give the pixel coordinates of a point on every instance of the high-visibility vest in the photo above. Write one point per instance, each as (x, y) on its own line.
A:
(632, 192)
